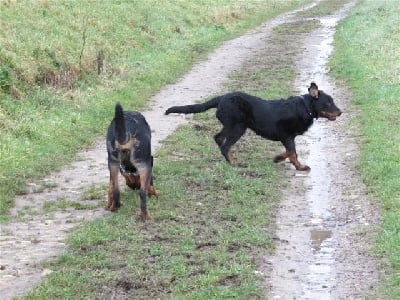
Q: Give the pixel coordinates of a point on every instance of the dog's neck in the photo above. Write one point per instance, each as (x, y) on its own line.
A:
(309, 104)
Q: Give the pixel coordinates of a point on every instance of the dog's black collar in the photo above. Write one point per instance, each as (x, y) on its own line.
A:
(312, 113)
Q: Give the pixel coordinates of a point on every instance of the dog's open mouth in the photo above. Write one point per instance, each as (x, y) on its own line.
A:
(331, 118)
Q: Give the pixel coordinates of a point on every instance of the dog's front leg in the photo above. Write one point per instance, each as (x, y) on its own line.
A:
(291, 154)
(293, 159)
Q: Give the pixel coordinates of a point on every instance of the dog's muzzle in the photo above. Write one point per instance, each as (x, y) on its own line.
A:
(330, 116)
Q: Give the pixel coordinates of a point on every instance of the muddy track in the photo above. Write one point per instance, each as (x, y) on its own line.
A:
(323, 222)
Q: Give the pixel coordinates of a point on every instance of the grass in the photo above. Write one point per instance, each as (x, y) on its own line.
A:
(94, 192)
(271, 76)
(325, 7)
(366, 57)
(64, 66)
(63, 204)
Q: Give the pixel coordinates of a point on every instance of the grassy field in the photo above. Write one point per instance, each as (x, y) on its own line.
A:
(63, 65)
(367, 59)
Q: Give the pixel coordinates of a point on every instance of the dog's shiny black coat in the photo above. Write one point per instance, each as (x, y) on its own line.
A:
(278, 120)
(129, 153)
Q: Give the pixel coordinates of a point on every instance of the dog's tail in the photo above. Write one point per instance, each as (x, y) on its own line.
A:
(195, 108)
(119, 120)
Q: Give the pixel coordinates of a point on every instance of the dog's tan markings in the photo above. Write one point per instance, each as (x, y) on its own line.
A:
(220, 137)
(230, 157)
(152, 190)
(110, 198)
(132, 181)
(128, 145)
(296, 163)
(331, 116)
(281, 157)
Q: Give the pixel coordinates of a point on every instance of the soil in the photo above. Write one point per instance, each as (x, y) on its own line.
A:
(324, 224)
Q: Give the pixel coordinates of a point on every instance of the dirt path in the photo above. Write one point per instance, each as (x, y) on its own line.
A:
(319, 222)
(325, 222)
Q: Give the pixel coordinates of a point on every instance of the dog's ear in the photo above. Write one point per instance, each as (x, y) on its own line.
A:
(313, 90)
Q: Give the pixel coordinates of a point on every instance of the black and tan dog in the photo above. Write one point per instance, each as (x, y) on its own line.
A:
(129, 153)
(277, 120)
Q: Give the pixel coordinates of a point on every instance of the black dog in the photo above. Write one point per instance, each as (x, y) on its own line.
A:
(129, 153)
(277, 120)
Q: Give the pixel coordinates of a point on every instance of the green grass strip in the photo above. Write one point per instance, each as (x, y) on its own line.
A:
(367, 58)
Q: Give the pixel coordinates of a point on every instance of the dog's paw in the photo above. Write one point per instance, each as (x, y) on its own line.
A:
(303, 168)
(145, 216)
(113, 207)
(152, 191)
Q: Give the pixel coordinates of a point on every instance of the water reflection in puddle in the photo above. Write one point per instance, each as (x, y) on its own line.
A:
(318, 237)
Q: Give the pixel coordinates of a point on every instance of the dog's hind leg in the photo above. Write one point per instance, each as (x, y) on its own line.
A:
(152, 190)
(293, 159)
(145, 180)
(232, 136)
(220, 137)
(114, 201)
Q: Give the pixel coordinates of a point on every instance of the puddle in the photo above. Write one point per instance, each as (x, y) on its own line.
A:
(319, 238)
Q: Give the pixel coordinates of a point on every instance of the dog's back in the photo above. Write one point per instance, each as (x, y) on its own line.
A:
(124, 125)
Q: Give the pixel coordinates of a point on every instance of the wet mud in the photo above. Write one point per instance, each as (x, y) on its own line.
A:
(320, 253)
